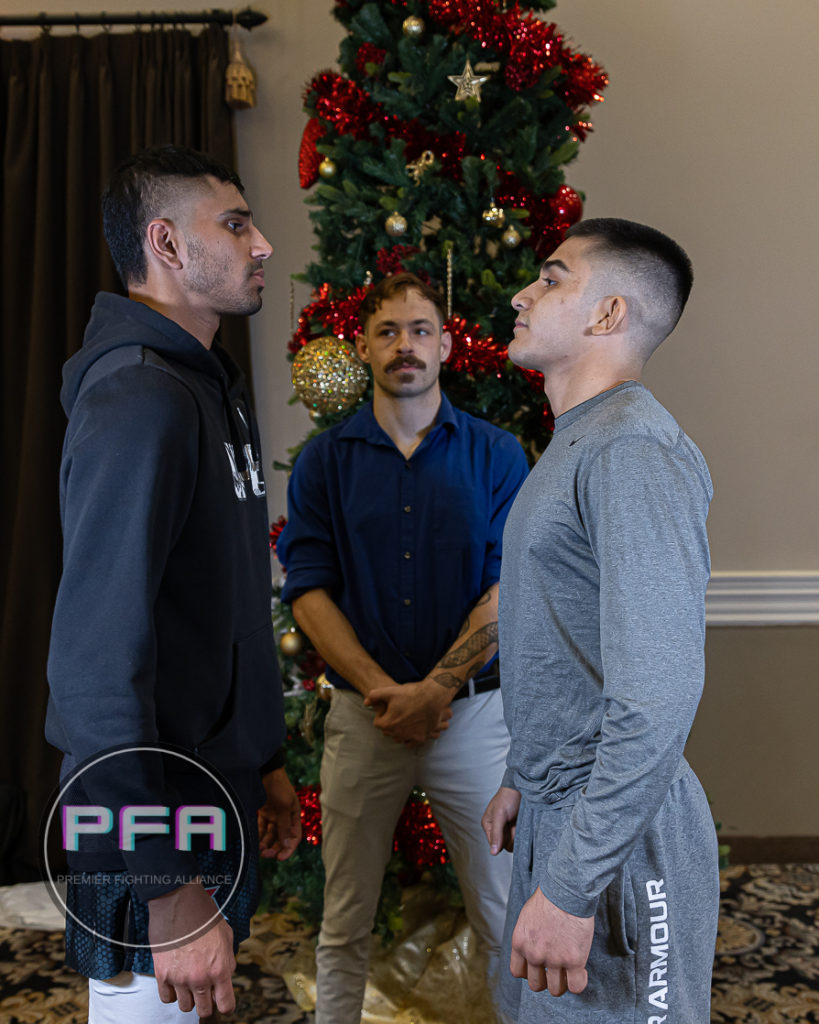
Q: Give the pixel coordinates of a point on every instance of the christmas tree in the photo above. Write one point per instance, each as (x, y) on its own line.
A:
(437, 148)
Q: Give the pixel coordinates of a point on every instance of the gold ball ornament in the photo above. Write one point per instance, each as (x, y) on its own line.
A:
(511, 237)
(291, 643)
(328, 376)
(494, 216)
(395, 225)
(413, 27)
(327, 168)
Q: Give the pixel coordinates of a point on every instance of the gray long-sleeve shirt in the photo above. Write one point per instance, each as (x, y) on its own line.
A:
(602, 628)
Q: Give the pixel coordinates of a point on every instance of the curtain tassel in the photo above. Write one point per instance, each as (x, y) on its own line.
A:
(240, 81)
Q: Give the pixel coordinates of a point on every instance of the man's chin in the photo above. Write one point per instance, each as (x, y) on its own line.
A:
(520, 358)
(248, 308)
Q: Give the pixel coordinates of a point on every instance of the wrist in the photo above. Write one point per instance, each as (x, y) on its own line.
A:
(441, 687)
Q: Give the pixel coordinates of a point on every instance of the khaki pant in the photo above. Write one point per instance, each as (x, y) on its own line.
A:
(365, 781)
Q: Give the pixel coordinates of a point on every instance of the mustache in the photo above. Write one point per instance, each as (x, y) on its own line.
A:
(408, 360)
(254, 268)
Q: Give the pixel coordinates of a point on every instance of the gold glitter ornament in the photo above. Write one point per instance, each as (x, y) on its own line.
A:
(511, 237)
(327, 168)
(413, 27)
(328, 376)
(395, 225)
(494, 216)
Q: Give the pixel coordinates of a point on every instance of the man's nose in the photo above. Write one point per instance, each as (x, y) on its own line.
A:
(262, 249)
(521, 300)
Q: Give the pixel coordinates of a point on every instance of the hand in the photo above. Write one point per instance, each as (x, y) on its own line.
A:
(196, 971)
(411, 713)
(551, 947)
(279, 820)
(500, 819)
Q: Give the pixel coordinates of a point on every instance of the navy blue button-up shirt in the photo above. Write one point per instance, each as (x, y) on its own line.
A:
(405, 547)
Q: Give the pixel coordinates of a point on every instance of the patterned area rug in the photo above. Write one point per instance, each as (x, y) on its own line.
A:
(766, 968)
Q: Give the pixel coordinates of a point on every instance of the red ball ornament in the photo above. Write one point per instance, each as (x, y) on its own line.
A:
(566, 205)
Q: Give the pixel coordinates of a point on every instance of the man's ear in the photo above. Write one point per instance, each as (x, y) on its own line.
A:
(446, 345)
(361, 347)
(609, 314)
(161, 240)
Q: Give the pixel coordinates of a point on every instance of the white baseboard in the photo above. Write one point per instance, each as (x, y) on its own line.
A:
(762, 599)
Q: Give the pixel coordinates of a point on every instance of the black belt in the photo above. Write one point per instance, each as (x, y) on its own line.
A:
(480, 684)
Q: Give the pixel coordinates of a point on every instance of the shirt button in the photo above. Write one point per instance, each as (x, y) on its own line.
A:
(408, 508)
(407, 602)
(407, 554)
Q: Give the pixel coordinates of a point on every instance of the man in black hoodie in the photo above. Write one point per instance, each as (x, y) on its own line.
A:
(162, 654)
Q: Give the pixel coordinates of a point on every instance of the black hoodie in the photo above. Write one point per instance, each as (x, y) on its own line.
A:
(162, 628)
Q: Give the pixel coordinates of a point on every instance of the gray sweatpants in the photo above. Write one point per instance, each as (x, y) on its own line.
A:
(655, 927)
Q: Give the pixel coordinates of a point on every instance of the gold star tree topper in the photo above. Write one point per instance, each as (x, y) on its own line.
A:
(469, 84)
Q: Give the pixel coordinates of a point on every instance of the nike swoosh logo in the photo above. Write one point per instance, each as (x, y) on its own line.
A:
(576, 440)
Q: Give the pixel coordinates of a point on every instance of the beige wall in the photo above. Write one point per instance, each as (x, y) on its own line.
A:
(707, 132)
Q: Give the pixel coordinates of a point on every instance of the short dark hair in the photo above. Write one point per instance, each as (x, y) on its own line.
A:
(648, 255)
(140, 190)
(397, 284)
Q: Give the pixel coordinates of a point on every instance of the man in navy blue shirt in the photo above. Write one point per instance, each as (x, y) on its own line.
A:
(392, 551)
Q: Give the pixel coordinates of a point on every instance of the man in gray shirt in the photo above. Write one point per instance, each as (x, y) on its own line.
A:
(602, 623)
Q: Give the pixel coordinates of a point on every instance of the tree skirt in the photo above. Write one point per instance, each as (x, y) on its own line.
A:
(766, 969)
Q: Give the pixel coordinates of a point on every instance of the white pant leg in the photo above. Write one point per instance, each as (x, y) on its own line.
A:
(132, 999)
(365, 781)
(460, 773)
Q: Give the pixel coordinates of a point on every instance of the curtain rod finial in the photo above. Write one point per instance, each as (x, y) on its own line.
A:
(250, 19)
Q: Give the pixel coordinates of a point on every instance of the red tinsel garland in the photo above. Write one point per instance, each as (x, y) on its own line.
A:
(368, 53)
(337, 316)
(419, 837)
(309, 157)
(417, 834)
(275, 531)
(343, 105)
(391, 260)
(310, 805)
(532, 45)
(470, 352)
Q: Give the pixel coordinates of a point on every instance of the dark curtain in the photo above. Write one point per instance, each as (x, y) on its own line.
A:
(71, 107)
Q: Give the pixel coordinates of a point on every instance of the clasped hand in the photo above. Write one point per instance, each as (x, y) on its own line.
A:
(410, 713)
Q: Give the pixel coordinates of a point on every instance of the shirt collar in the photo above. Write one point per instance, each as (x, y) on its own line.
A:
(363, 425)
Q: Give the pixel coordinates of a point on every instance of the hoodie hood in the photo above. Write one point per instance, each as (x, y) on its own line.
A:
(119, 322)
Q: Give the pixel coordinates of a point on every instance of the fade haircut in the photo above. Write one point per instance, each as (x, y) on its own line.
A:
(398, 284)
(651, 270)
(144, 187)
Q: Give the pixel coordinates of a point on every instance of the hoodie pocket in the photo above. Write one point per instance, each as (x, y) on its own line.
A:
(251, 727)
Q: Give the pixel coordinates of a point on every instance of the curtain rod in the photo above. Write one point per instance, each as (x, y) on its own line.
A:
(246, 18)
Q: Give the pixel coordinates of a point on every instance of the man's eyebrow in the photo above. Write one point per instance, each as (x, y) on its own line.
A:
(418, 322)
(238, 211)
(550, 264)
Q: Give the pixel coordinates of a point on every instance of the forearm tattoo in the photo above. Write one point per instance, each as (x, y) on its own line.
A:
(447, 680)
(472, 646)
(471, 650)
